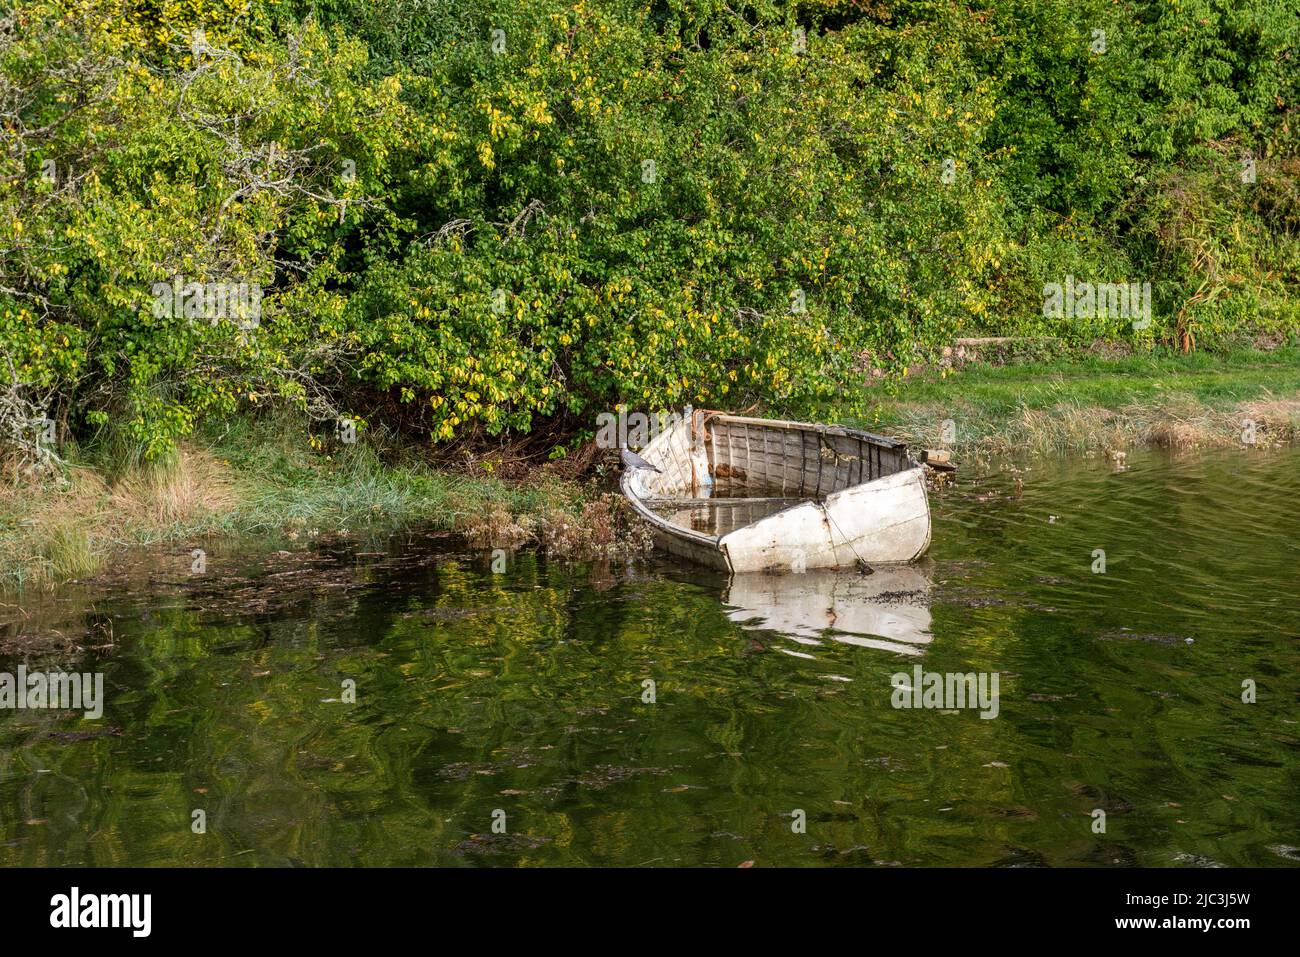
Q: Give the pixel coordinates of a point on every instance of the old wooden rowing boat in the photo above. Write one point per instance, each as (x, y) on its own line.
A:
(746, 494)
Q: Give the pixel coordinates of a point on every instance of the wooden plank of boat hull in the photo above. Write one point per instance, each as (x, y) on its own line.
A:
(640, 484)
(787, 426)
(691, 549)
(682, 464)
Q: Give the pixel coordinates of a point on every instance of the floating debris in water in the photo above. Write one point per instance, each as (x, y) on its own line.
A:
(486, 844)
(1125, 634)
(68, 737)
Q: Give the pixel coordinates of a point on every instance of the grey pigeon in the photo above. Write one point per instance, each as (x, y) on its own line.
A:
(633, 461)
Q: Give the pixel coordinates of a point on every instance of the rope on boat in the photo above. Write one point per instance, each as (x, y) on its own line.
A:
(863, 566)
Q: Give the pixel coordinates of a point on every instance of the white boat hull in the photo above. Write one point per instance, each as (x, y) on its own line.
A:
(887, 520)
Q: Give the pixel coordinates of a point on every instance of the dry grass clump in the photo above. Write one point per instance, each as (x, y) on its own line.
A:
(1065, 426)
(49, 532)
(1177, 421)
(1277, 421)
(606, 526)
(593, 532)
(191, 486)
(1260, 423)
(61, 529)
(495, 527)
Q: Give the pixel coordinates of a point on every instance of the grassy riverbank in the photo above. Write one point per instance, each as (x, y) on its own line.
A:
(1084, 404)
(266, 481)
(264, 478)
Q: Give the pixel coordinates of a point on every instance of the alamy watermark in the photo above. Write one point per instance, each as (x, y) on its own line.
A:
(238, 302)
(946, 691)
(54, 690)
(130, 911)
(1073, 299)
(633, 430)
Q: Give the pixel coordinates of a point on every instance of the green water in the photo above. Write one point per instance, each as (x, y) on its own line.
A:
(523, 693)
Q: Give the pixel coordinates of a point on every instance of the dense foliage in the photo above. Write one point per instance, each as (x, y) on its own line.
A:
(496, 212)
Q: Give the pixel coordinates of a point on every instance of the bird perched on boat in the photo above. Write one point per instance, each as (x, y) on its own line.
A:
(633, 461)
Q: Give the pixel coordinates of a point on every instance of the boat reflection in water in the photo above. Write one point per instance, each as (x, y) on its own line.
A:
(888, 609)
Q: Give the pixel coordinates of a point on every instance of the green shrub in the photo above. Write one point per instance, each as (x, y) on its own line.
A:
(457, 229)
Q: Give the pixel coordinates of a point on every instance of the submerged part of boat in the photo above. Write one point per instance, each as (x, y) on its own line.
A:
(746, 494)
